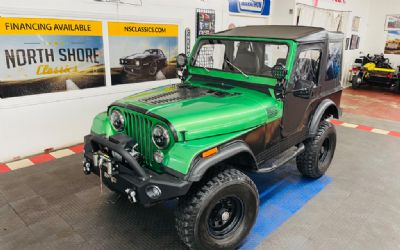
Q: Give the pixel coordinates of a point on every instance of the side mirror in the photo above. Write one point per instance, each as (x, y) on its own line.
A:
(303, 88)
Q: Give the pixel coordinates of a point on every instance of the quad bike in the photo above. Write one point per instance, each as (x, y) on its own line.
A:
(375, 71)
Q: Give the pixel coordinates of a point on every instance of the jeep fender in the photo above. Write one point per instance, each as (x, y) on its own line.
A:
(236, 148)
(326, 107)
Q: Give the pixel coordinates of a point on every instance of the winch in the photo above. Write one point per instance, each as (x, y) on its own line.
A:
(109, 160)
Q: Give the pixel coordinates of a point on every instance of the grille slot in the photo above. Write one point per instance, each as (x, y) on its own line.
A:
(138, 126)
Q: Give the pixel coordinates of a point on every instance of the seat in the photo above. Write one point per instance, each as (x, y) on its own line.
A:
(267, 71)
(247, 60)
(281, 61)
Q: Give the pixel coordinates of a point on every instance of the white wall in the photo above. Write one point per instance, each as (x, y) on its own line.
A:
(30, 124)
(376, 35)
(280, 12)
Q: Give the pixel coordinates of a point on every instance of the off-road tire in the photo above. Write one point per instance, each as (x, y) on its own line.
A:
(354, 82)
(195, 210)
(309, 162)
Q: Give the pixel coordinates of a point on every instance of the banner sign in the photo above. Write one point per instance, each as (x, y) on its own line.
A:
(393, 42)
(205, 20)
(142, 52)
(252, 7)
(49, 55)
(392, 22)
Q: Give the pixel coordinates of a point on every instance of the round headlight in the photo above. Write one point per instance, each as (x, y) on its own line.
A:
(117, 120)
(181, 60)
(160, 137)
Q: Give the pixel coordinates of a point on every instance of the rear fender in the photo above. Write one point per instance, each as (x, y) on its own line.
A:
(326, 108)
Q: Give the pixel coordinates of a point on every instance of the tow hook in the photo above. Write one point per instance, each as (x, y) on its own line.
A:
(86, 168)
(131, 195)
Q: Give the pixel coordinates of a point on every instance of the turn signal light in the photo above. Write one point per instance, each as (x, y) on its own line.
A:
(209, 152)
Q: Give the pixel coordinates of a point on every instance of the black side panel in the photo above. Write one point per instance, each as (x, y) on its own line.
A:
(281, 146)
(297, 110)
(329, 104)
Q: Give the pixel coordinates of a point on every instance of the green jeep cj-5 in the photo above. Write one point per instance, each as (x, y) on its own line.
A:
(251, 99)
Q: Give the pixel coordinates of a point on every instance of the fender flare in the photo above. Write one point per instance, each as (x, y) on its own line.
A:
(320, 111)
(200, 167)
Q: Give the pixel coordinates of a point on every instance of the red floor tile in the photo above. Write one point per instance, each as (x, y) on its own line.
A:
(4, 168)
(372, 103)
(77, 148)
(395, 134)
(41, 158)
(365, 128)
(336, 122)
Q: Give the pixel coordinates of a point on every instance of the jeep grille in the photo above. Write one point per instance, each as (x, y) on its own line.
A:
(138, 126)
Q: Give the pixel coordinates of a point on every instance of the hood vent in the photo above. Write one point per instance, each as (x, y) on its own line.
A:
(183, 92)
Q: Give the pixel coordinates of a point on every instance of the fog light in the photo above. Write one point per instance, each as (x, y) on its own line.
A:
(153, 191)
(158, 156)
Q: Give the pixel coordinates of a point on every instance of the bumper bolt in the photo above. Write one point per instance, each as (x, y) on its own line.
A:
(131, 195)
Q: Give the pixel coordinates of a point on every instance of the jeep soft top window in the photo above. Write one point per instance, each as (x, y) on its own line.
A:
(308, 66)
(250, 57)
(334, 65)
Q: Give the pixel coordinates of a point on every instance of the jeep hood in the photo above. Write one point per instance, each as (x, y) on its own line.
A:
(200, 111)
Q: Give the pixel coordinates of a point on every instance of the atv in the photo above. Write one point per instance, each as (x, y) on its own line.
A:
(375, 71)
(250, 100)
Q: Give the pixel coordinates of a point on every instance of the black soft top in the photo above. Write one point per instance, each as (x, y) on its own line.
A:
(283, 32)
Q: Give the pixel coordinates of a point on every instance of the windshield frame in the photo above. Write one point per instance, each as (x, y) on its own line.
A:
(292, 46)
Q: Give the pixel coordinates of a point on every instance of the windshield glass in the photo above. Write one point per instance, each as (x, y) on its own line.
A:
(150, 52)
(246, 57)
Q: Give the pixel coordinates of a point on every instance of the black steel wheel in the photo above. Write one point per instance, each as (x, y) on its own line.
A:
(319, 151)
(153, 68)
(219, 212)
(325, 154)
(225, 217)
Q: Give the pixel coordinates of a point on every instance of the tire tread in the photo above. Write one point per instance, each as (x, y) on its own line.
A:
(305, 161)
(189, 205)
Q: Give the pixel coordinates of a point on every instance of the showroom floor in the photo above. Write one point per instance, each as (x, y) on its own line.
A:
(53, 205)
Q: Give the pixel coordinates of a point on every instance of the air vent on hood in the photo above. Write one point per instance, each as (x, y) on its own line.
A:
(183, 92)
